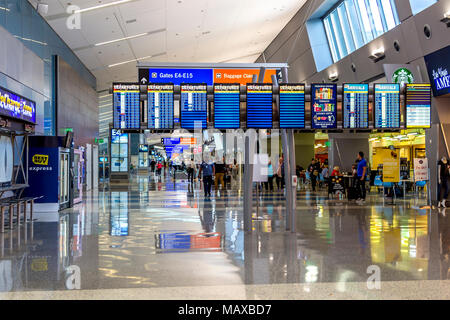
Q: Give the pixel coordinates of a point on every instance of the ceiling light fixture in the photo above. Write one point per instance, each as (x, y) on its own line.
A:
(333, 77)
(446, 19)
(121, 39)
(102, 6)
(6, 9)
(124, 62)
(377, 55)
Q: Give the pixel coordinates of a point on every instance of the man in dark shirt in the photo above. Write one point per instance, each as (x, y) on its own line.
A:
(361, 172)
(220, 170)
(207, 169)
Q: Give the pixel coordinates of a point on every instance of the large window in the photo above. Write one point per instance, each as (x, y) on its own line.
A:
(353, 23)
(419, 5)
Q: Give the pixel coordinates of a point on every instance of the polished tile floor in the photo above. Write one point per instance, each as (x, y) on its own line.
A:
(161, 239)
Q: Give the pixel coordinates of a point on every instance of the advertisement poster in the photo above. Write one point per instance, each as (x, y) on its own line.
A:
(391, 168)
(323, 106)
(420, 169)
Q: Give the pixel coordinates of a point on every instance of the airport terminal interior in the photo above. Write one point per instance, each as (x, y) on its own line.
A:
(201, 149)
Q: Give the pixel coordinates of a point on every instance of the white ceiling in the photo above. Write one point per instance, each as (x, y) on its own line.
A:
(179, 31)
(186, 31)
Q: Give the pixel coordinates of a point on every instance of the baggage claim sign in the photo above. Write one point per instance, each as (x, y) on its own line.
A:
(15, 106)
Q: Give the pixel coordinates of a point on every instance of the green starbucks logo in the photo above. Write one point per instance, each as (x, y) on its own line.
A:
(402, 76)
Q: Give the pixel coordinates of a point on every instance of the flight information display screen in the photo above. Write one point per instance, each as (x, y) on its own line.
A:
(323, 106)
(418, 105)
(193, 107)
(387, 105)
(126, 106)
(259, 105)
(355, 106)
(160, 106)
(226, 106)
(292, 106)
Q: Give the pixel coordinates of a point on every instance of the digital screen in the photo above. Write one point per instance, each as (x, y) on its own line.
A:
(323, 106)
(355, 106)
(193, 108)
(226, 106)
(387, 105)
(179, 76)
(292, 106)
(160, 106)
(418, 105)
(15, 106)
(143, 148)
(119, 151)
(126, 106)
(259, 106)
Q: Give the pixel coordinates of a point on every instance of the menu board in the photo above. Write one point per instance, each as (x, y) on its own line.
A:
(126, 106)
(292, 106)
(15, 106)
(226, 106)
(160, 106)
(418, 105)
(387, 105)
(259, 105)
(355, 106)
(323, 106)
(193, 106)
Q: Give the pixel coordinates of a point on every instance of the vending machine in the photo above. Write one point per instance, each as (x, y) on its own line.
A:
(50, 173)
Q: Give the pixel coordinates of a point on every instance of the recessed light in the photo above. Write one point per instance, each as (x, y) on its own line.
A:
(102, 6)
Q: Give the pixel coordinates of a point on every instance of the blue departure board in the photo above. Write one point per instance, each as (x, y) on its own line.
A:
(160, 106)
(355, 106)
(418, 105)
(193, 106)
(227, 106)
(323, 106)
(292, 106)
(126, 106)
(387, 105)
(259, 105)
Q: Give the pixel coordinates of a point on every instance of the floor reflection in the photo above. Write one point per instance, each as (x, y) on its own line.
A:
(159, 233)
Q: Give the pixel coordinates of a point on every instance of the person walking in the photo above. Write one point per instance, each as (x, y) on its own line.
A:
(313, 173)
(280, 174)
(220, 170)
(443, 167)
(190, 171)
(361, 172)
(207, 169)
(269, 183)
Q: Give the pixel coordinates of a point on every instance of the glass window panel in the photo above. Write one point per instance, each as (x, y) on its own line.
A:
(373, 8)
(388, 14)
(347, 33)
(331, 39)
(338, 34)
(354, 24)
(364, 20)
(419, 5)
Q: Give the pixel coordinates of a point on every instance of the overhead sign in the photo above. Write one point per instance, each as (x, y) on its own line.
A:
(193, 106)
(323, 106)
(438, 64)
(355, 106)
(178, 76)
(160, 106)
(259, 105)
(418, 105)
(126, 106)
(292, 106)
(241, 76)
(188, 141)
(420, 169)
(227, 106)
(387, 105)
(17, 107)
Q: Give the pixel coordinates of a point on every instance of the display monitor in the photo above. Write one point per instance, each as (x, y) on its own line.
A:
(126, 106)
(387, 105)
(193, 107)
(418, 105)
(227, 106)
(119, 151)
(355, 106)
(292, 106)
(259, 105)
(160, 106)
(323, 106)
(15, 106)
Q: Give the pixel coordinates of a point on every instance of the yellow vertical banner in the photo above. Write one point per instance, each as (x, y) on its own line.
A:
(391, 167)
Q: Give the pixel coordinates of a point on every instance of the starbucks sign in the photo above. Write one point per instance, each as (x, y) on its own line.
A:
(402, 76)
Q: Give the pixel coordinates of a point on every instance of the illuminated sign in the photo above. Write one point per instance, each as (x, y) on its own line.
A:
(193, 107)
(241, 76)
(15, 106)
(259, 105)
(418, 105)
(355, 106)
(179, 76)
(323, 106)
(126, 106)
(160, 106)
(40, 159)
(438, 64)
(292, 106)
(387, 105)
(227, 106)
